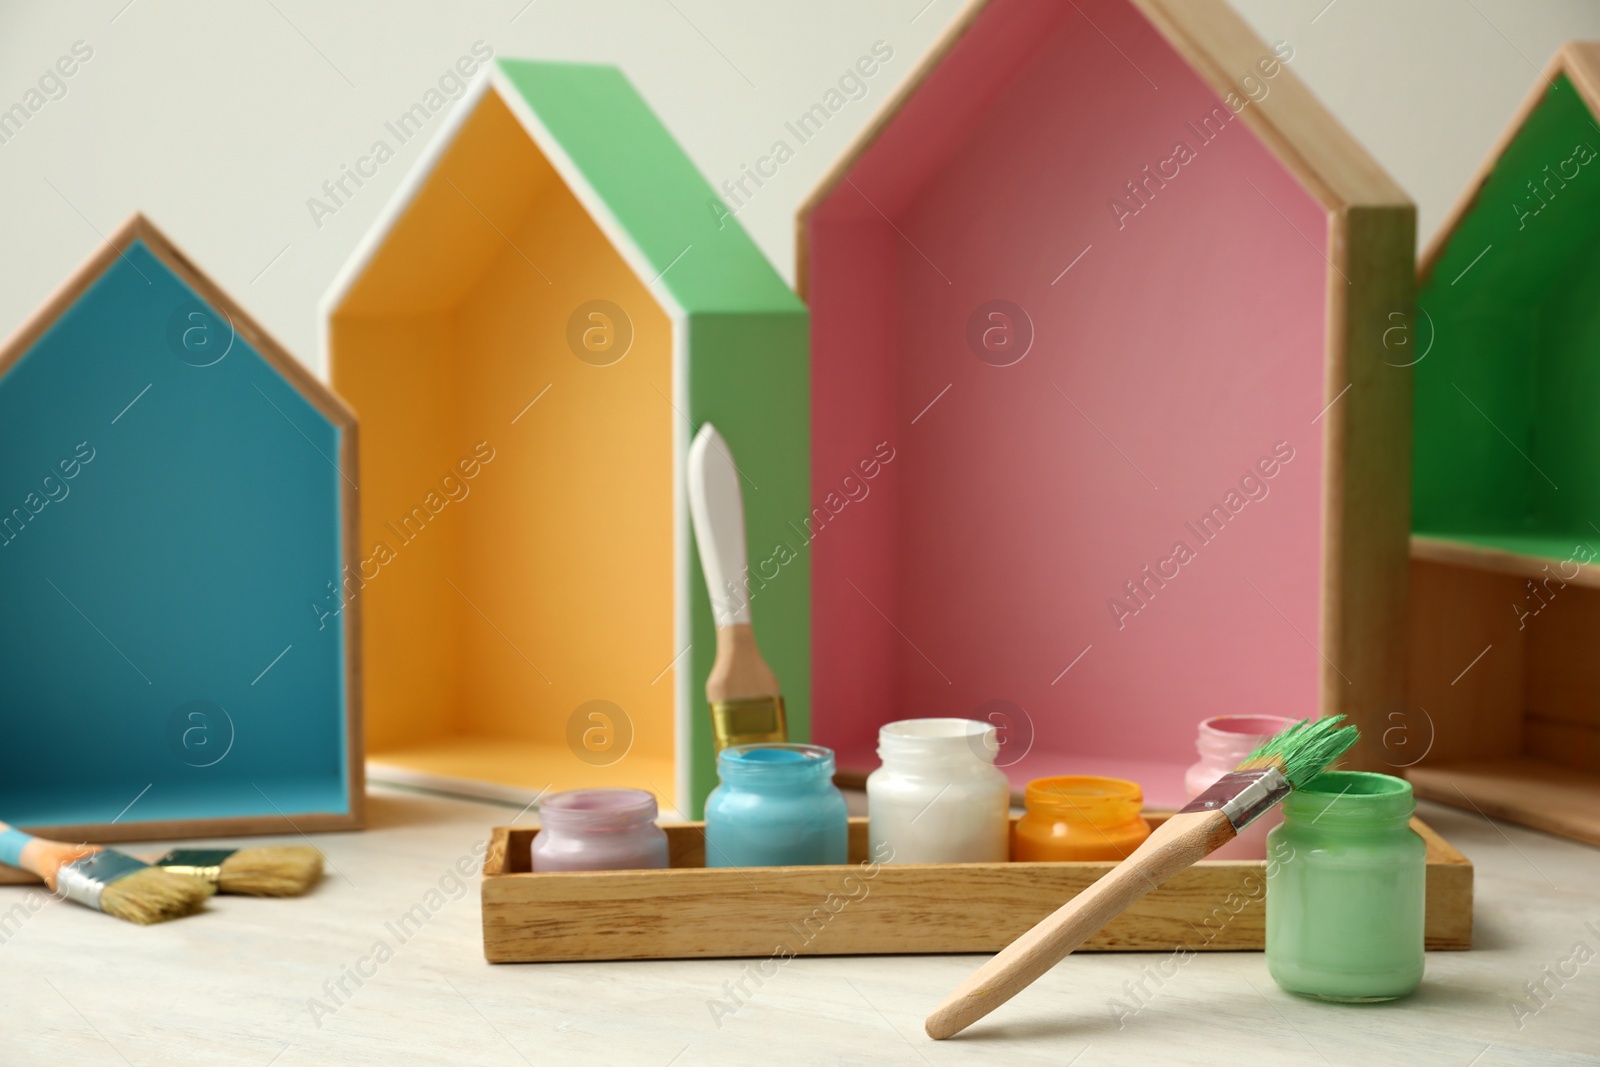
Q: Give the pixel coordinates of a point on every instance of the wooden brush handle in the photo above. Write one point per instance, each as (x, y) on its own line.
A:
(37, 855)
(739, 672)
(1177, 844)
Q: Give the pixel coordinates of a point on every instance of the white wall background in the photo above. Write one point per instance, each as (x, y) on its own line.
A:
(221, 118)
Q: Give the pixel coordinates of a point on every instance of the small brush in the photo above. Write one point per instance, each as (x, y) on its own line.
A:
(271, 871)
(105, 880)
(746, 707)
(1287, 761)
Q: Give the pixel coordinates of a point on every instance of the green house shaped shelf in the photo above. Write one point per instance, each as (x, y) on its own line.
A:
(1505, 592)
(179, 501)
(531, 335)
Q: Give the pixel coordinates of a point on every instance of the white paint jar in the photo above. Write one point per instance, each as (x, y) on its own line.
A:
(939, 798)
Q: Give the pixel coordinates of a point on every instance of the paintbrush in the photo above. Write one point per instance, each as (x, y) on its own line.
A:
(746, 707)
(1287, 761)
(105, 880)
(270, 871)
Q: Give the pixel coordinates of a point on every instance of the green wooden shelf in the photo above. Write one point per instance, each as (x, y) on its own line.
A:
(1507, 390)
(1506, 480)
(1567, 555)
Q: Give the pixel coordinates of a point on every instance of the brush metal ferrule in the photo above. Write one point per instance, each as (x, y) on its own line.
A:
(203, 863)
(86, 879)
(752, 721)
(1243, 796)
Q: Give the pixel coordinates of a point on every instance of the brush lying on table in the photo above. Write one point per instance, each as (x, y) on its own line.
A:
(269, 871)
(107, 881)
(1284, 763)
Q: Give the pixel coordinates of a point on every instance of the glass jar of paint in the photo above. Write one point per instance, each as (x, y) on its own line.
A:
(1080, 817)
(1225, 741)
(599, 830)
(776, 806)
(1346, 879)
(939, 798)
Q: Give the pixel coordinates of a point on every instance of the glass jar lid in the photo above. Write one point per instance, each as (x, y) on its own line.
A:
(597, 809)
(1352, 800)
(938, 740)
(1088, 797)
(772, 762)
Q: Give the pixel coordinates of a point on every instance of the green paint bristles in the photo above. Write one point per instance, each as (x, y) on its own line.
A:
(1305, 749)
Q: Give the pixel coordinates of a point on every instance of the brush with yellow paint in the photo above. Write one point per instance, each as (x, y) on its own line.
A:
(269, 871)
(103, 879)
(746, 707)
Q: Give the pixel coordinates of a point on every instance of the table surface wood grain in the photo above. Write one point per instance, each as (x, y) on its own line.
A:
(258, 982)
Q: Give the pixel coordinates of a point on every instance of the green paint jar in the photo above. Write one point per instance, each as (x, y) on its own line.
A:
(1346, 881)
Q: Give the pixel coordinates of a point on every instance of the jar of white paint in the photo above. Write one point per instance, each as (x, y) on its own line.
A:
(939, 798)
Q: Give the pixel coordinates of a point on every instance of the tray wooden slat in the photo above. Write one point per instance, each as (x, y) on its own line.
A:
(692, 911)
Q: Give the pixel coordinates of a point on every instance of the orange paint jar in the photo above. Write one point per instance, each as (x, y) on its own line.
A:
(1080, 817)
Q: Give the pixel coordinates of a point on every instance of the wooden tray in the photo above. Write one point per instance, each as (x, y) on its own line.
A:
(865, 908)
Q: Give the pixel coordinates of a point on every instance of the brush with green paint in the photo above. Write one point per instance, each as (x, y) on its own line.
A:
(1287, 761)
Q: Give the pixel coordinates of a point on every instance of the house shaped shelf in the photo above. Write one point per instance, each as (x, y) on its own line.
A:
(531, 335)
(178, 508)
(1506, 550)
(1109, 287)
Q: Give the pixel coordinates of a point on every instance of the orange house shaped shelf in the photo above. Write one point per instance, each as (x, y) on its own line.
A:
(531, 335)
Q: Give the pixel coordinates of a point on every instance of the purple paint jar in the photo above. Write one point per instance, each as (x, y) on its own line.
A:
(599, 830)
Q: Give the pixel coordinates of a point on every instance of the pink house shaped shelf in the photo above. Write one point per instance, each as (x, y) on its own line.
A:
(1110, 289)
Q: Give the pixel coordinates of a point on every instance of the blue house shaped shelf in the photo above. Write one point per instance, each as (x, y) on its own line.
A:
(176, 517)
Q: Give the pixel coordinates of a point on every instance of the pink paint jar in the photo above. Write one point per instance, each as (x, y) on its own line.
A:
(599, 830)
(1223, 744)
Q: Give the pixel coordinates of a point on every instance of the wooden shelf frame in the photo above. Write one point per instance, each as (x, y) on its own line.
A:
(1531, 792)
(188, 799)
(552, 211)
(1506, 341)
(1501, 561)
(1007, 523)
(1504, 614)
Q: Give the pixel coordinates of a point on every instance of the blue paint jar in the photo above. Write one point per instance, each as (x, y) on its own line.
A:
(776, 806)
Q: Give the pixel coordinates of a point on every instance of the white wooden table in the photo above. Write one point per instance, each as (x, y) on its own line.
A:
(249, 982)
